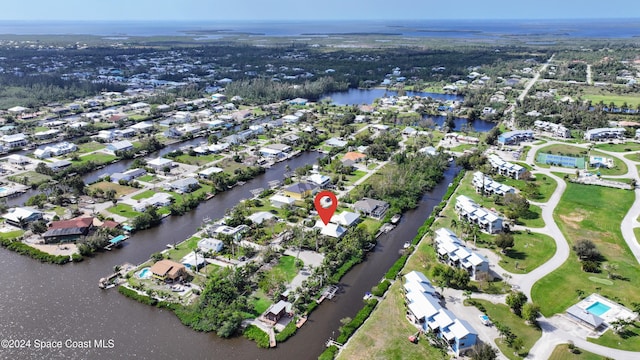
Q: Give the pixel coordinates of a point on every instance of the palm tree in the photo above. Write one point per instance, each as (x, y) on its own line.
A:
(454, 224)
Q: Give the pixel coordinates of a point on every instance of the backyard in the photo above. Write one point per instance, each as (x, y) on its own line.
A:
(594, 213)
(97, 157)
(123, 210)
(120, 190)
(30, 178)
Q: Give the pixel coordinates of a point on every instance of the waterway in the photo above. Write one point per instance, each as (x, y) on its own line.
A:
(366, 96)
(47, 302)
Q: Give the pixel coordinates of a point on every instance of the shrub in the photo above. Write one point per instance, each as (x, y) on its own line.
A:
(396, 267)
(256, 334)
(329, 353)
(381, 288)
(24, 249)
(348, 329)
(287, 332)
(135, 296)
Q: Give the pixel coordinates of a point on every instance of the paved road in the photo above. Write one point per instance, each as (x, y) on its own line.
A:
(535, 78)
(589, 77)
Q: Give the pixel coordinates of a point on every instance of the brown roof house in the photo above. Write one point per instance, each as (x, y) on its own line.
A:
(68, 230)
(168, 270)
(277, 311)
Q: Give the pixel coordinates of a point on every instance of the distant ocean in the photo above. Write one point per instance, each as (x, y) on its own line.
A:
(480, 29)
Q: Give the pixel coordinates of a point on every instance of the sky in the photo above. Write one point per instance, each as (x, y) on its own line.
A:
(266, 10)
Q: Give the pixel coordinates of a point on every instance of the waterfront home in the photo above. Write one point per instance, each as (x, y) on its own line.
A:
(159, 164)
(515, 137)
(426, 313)
(127, 175)
(452, 251)
(185, 185)
(193, 261)
(290, 139)
(279, 147)
(331, 229)
(119, 146)
(428, 150)
(372, 207)
(22, 216)
(335, 142)
(604, 134)
(276, 311)
(260, 217)
(298, 101)
(487, 186)
(320, 180)
(469, 210)
(505, 168)
(68, 230)
(299, 191)
(14, 141)
(59, 165)
(157, 200)
(142, 127)
(281, 201)
(55, 150)
(208, 172)
(48, 134)
(16, 159)
(234, 232)
(168, 270)
(210, 245)
(272, 153)
(461, 138)
(346, 218)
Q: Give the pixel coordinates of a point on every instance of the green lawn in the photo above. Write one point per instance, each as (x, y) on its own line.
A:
(259, 302)
(144, 195)
(371, 225)
(33, 178)
(123, 210)
(198, 160)
(629, 339)
(594, 213)
(11, 234)
(619, 166)
(543, 186)
(566, 150)
(530, 251)
(357, 175)
(121, 190)
(98, 158)
(533, 218)
(626, 147)
(287, 267)
(89, 147)
(631, 100)
(183, 248)
(148, 178)
(179, 197)
(561, 352)
(502, 314)
(463, 147)
(230, 166)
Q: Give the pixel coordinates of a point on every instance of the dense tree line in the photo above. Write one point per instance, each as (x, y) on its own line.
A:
(268, 91)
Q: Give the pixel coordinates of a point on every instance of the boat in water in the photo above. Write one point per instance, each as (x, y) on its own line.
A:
(396, 218)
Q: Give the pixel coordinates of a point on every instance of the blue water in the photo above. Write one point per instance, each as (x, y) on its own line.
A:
(480, 29)
(598, 308)
(145, 273)
(366, 96)
(2, 189)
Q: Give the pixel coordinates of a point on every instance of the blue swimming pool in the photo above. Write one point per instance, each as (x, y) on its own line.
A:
(145, 273)
(3, 189)
(598, 308)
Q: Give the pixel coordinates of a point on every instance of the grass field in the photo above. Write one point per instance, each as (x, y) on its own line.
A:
(629, 146)
(561, 149)
(287, 267)
(371, 225)
(230, 166)
(530, 251)
(149, 178)
(357, 175)
(631, 100)
(121, 190)
(33, 178)
(123, 210)
(384, 334)
(629, 339)
(183, 248)
(594, 213)
(260, 302)
(198, 160)
(546, 186)
(502, 314)
(144, 195)
(89, 147)
(11, 234)
(98, 158)
(561, 352)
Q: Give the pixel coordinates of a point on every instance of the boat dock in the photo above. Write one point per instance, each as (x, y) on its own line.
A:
(301, 322)
(328, 293)
(385, 229)
(117, 277)
(116, 242)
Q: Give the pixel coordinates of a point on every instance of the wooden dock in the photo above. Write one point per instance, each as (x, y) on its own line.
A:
(328, 293)
(272, 338)
(301, 322)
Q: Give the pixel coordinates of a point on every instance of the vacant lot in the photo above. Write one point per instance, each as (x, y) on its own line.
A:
(32, 178)
(121, 190)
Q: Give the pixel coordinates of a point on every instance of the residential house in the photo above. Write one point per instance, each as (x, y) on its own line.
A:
(142, 127)
(555, 129)
(128, 175)
(276, 311)
(234, 232)
(426, 313)
(372, 207)
(159, 164)
(505, 168)
(346, 218)
(272, 153)
(299, 191)
(208, 172)
(14, 141)
(119, 146)
(168, 270)
(320, 180)
(428, 150)
(48, 134)
(354, 156)
(55, 150)
(330, 229)
(193, 260)
(604, 134)
(486, 219)
(185, 185)
(210, 245)
(17, 159)
(280, 201)
(452, 251)
(157, 200)
(515, 137)
(260, 217)
(335, 142)
(487, 186)
(290, 139)
(68, 230)
(22, 216)
(59, 165)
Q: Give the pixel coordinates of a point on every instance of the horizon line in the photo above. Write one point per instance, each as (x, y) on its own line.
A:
(324, 19)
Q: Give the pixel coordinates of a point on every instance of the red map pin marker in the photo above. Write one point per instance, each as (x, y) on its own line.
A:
(326, 212)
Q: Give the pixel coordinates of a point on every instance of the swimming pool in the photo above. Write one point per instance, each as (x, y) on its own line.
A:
(598, 308)
(2, 189)
(145, 273)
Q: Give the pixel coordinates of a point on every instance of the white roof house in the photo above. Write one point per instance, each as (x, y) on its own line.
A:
(160, 163)
(335, 142)
(486, 219)
(281, 200)
(484, 183)
(346, 218)
(210, 171)
(260, 217)
(451, 250)
(193, 260)
(331, 229)
(158, 199)
(22, 215)
(320, 180)
(210, 244)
